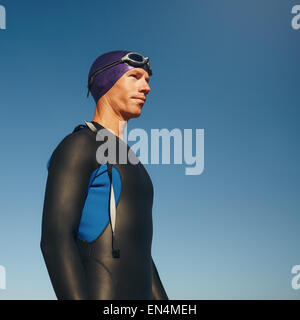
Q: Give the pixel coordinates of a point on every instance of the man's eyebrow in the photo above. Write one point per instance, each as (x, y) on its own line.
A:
(141, 73)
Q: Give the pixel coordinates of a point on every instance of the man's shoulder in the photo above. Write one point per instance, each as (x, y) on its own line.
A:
(81, 138)
(79, 144)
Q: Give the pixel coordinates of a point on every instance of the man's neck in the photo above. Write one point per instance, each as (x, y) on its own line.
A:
(113, 124)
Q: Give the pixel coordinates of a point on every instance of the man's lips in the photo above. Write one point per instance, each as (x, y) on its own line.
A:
(143, 99)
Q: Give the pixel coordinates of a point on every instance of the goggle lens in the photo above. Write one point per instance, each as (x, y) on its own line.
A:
(136, 57)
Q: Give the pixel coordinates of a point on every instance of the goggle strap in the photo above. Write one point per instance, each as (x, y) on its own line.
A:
(102, 69)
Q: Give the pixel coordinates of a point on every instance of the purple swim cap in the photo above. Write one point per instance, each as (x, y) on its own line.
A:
(106, 79)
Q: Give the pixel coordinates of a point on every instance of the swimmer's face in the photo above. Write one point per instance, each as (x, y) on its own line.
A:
(128, 94)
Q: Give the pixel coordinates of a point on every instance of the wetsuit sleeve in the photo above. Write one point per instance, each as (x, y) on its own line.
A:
(66, 189)
(158, 290)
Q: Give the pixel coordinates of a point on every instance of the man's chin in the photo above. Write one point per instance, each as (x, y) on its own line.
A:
(134, 115)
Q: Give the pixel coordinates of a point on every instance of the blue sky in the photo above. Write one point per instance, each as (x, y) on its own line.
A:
(228, 67)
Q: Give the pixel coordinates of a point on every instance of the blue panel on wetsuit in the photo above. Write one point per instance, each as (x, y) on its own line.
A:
(95, 214)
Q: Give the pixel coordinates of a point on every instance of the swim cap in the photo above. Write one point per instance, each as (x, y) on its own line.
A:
(106, 79)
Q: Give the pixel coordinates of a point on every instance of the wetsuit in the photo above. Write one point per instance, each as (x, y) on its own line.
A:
(89, 253)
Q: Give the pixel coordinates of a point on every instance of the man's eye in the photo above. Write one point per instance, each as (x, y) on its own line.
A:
(133, 75)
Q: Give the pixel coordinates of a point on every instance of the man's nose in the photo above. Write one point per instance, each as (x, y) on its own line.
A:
(146, 88)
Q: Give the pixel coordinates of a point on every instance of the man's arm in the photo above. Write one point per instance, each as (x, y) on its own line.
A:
(158, 290)
(66, 189)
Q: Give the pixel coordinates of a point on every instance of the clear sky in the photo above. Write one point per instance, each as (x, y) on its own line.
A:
(228, 67)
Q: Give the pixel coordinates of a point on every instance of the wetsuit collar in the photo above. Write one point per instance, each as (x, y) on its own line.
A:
(97, 125)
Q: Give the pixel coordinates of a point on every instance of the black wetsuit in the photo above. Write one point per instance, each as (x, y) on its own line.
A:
(84, 258)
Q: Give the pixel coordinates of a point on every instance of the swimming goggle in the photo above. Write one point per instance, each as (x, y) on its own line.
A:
(134, 59)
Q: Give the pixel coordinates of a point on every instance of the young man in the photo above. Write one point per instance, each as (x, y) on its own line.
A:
(97, 216)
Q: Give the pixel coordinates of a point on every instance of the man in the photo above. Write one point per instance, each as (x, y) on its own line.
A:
(97, 216)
